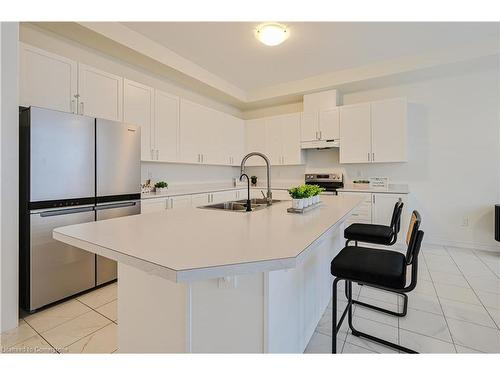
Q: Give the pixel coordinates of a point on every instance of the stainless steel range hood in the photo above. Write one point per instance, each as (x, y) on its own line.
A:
(319, 145)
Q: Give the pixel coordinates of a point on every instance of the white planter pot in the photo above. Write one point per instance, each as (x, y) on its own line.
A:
(315, 199)
(297, 204)
(310, 201)
(161, 190)
(306, 202)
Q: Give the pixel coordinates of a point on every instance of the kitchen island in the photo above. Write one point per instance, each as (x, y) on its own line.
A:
(199, 280)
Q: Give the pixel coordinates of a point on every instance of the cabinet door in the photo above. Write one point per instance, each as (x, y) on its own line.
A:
(46, 80)
(213, 140)
(388, 120)
(363, 213)
(355, 134)
(290, 139)
(191, 123)
(199, 199)
(181, 201)
(255, 140)
(329, 124)
(167, 126)
(101, 93)
(235, 141)
(138, 104)
(274, 149)
(309, 127)
(153, 205)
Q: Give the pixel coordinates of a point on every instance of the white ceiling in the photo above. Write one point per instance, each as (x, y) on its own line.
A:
(230, 51)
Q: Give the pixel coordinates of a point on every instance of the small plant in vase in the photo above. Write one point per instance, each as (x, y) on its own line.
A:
(297, 194)
(161, 187)
(253, 180)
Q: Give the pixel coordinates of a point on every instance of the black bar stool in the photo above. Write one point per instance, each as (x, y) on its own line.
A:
(374, 233)
(381, 269)
(380, 235)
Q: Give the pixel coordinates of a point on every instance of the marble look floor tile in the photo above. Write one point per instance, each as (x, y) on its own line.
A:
(475, 336)
(495, 314)
(463, 350)
(73, 330)
(425, 287)
(100, 296)
(109, 310)
(475, 269)
(322, 344)
(378, 294)
(104, 340)
(354, 349)
(21, 333)
(491, 300)
(376, 329)
(433, 249)
(426, 323)
(424, 344)
(370, 314)
(437, 268)
(456, 293)
(33, 345)
(424, 302)
(476, 314)
(450, 279)
(56, 315)
(485, 284)
(325, 324)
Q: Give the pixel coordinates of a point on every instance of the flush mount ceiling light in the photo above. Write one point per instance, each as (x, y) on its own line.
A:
(272, 34)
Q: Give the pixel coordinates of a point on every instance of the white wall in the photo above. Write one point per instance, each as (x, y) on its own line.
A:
(453, 167)
(9, 139)
(172, 173)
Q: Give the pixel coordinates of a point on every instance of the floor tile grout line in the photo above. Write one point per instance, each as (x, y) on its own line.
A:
(486, 264)
(41, 335)
(94, 309)
(475, 293)
(442, 310)
(90, 334)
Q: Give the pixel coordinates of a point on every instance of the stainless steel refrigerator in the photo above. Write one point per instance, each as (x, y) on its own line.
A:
(73, 169)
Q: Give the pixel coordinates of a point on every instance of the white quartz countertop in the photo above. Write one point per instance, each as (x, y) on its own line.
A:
(364, 188)
(189, 244)
(194, 189)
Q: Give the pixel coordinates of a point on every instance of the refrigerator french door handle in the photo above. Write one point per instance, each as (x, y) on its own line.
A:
(115, 205)
(66, 211)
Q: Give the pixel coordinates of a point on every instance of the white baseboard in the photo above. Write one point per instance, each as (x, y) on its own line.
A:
(463, 244)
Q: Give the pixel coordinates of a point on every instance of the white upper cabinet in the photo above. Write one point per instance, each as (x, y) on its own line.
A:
(388, 120)
(166, 126)
(235, 129)
(278, 137)
(355, 133)
(329, 124)
(47, 80)
(292, 154)
(373, 132)
(138, 109)
(255, 140)
(309, 127)
(101, 93)
(192, 125)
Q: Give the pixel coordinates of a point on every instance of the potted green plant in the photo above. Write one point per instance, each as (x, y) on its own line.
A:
(253, 180)
(297, 195)
(161, 187)
(308, 193)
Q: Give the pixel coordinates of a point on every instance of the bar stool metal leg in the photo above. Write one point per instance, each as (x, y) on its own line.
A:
(373, 307)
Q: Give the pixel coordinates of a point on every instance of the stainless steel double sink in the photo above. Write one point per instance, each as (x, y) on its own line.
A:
(240, 205)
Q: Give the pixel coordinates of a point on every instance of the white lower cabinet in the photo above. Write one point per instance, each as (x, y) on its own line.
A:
(198, 200)
(153, 205)
(180, 201)
(377, 208)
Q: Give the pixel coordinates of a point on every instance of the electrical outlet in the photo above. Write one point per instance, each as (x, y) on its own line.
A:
(465, 221)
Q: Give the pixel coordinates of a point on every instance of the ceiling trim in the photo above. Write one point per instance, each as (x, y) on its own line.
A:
(288, 92)
(138, 42)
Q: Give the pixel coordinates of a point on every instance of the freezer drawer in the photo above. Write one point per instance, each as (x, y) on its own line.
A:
(118, 159)
(57, 270)
(106, 268)
(61, 149)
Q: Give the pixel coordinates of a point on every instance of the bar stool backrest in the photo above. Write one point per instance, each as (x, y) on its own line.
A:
(396, 216)
(413, 237)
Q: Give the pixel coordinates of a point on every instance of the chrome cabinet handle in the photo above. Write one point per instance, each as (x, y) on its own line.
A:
(81, 108)
(152, 156)
(157, 154)
(202, 158)
(73, 108)
(373, 156)
(320, 135)
(368, 156)
(198, 158)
